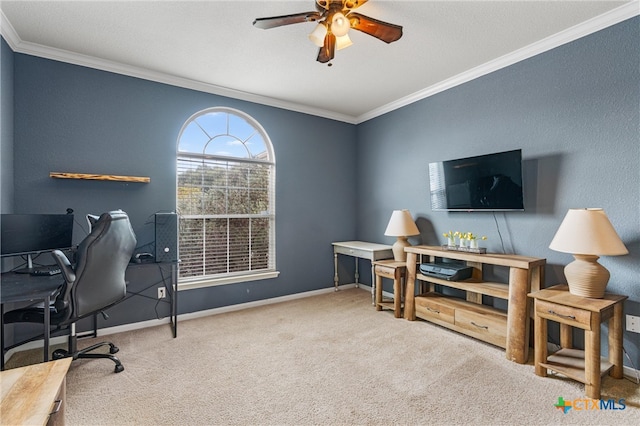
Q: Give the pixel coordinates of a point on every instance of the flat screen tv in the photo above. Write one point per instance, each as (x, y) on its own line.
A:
(491, 182)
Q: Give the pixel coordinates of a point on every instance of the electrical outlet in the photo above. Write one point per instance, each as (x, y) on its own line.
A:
(633, 323)
(162, 292)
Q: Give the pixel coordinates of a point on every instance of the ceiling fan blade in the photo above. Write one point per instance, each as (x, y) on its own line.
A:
(327, 51)
(379, 29)
(278, 21)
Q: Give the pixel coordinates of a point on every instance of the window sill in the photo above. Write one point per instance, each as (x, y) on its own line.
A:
(212, 282)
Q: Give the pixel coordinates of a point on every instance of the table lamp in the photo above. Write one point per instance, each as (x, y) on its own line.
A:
(401, 225)
(587, 234)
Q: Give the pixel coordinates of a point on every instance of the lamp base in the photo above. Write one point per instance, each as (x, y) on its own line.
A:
(399, 255)
(586, 277)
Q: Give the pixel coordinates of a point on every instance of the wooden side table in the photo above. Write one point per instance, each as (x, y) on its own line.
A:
(396, 271)
(557, 304)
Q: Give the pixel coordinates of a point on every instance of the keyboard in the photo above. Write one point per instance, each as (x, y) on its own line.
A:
(45, 270)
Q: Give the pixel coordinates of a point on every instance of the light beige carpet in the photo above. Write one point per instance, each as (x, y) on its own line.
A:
(328, 359)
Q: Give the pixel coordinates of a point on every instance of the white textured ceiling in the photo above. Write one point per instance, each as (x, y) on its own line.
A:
(213, 46)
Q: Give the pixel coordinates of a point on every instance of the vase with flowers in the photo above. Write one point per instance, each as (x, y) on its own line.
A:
(473, 239)
(451, 238)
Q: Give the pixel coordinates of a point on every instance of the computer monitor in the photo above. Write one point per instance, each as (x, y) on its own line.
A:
(30, 234)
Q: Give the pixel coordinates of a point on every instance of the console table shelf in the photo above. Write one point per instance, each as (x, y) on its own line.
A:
(499, 290)
(508, 329)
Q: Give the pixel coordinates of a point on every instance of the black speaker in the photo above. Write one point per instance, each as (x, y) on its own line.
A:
(166, 237)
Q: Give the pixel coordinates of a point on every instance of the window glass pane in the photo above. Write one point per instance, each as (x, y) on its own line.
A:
(191, 248)
(226, 146)
(217, 246)
(213, 123)
(193, 139)
(257, 146)
(239, 127)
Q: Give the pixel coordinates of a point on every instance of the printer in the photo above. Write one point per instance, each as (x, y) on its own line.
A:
(447, 271)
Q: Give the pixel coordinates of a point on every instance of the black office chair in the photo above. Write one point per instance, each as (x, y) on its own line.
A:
(96, 283)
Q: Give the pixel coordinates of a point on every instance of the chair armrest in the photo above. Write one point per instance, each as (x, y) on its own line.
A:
(64, 265)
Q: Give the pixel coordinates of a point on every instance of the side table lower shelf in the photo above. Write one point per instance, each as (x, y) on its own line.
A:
(571, 363)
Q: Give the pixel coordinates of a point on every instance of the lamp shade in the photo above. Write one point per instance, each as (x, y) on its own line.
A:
(401, 224)
(587, 231)
(587, 234)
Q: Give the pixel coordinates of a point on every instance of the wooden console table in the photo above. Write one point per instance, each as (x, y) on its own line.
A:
(35, 394)
(557, 304)
(508, 329)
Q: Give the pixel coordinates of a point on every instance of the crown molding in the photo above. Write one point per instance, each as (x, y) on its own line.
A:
(60, 55)
(583, 29)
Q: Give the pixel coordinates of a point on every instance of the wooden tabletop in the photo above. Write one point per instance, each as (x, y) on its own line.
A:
(29, 393)
(560, 294)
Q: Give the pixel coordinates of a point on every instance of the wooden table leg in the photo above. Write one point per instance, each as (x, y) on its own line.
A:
(615, 342)
(410, 295)
(540, 345)
(397, 294)
(592, 358)
(378, 292)
(566, 336)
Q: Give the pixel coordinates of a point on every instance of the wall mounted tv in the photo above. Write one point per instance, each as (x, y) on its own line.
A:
(491, 182)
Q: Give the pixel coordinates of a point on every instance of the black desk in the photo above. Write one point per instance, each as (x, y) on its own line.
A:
(22, 288)
(18, 288)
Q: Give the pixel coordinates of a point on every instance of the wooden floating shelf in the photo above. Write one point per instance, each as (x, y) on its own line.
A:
(62, 175)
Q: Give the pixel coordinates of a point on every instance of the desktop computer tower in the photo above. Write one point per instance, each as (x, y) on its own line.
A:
(166, 225)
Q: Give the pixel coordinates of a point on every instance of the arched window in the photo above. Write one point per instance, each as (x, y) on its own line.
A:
(225, 199)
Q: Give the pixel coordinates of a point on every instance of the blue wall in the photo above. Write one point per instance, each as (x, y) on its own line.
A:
(573, 111)
(6, 128)
(75, 119)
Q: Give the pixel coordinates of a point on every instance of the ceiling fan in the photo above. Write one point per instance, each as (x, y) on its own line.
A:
(335, 18)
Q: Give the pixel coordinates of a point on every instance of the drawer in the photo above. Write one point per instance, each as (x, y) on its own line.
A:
(434, 307)
(484, 324)
(386, 271)
(574, 317)
(364, 254)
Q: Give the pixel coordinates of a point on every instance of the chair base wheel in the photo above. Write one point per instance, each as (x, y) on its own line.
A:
(119, 368)
(59, 354)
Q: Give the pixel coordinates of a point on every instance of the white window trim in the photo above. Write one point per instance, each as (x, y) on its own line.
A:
(203, 282)
(190, 284)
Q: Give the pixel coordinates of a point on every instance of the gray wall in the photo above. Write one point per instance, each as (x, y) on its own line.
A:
(6, 127)
(574, 112)
(76, 119)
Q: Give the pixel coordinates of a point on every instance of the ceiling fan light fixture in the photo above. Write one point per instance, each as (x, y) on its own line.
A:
(343, 42)
(340, 24)
(318, 34)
